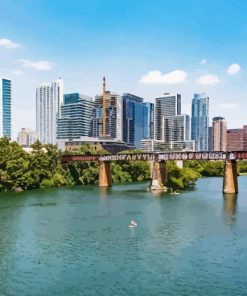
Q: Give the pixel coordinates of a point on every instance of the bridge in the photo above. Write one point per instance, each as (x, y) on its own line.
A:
(158, 180)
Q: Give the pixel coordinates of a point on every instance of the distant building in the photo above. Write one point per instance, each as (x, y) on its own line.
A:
(151, 145)
(237, 139)
(149, 127)
(167, 105)
(137, 119)
(114, 117)
(210, 139)
(109, 145)
(175, 128)
(26, 137)
(76, 116)
(49, 97)
(219, 134)
(5, 107)
(200, 121)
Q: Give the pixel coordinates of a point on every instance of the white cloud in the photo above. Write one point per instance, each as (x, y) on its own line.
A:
(208, 80)
(8, 43)
(156, 77)
(233, 69)
(16, 72)
(203, 61)
(38, 65)
(228, 105)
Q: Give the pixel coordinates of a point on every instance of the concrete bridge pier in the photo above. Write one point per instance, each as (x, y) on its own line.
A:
(230, 182)
(158, 180)
(105, 177)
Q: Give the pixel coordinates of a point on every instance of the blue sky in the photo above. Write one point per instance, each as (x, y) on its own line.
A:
(143, 47)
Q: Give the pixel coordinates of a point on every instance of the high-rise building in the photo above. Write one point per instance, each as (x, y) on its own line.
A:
(111, 112)
(149, 127)
(137, 119)
(219, 134)
(49, 97)
(76, 115)
(26, 137)
(237, 139)
(199, 121)
(176, 128)
(5, 107)
(167, 105)
(210, 139)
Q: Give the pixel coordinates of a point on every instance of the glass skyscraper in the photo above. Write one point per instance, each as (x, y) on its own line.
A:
(5, 107)
(137, 119)
(76, 116)
(149, 119)
(200, 121)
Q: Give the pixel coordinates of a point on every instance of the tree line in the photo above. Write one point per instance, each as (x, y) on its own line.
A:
(42, 168)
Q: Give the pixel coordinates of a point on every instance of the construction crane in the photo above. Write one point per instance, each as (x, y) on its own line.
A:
(104, 109)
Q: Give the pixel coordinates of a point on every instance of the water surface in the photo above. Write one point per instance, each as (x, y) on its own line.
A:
(76, 241)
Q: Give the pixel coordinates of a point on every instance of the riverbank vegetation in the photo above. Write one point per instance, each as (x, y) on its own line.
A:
(213, 168)
(42, 168)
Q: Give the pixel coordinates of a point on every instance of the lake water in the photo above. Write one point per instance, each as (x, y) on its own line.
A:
(76, 241)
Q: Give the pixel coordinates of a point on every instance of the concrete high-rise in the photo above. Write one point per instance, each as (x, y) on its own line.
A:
(76, 116)
(219, 134)
(5, 107)
(176, 128)
(237, 139)
(167, 105)
(26, 137)
(200, 121)
(49, 97)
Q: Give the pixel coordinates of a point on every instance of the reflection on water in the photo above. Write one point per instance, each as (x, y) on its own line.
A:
(103, 191)
(76, 241)
(230, 205)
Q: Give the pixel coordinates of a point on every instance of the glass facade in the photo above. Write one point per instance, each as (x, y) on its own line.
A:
(76, 116)
(149, 118)
(200, 121)
(137, 120)
(114, 117)
(5, 106)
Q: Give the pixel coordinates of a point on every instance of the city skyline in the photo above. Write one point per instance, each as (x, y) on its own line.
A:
(201, 55)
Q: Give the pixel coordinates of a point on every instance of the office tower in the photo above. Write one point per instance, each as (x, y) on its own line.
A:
(199, 121)
(210, 139)
(167, 105)
(112, 113)
(5, 107)
(175, 128)
(49, 97)
(137, 119)
(149, 127)
(26, 137)
(219, 134)
(237, 139)
(76, 116)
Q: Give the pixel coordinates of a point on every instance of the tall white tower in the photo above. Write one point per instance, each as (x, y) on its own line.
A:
(49, 97)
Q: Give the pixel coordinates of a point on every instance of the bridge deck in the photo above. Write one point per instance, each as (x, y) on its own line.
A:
(209, 155)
